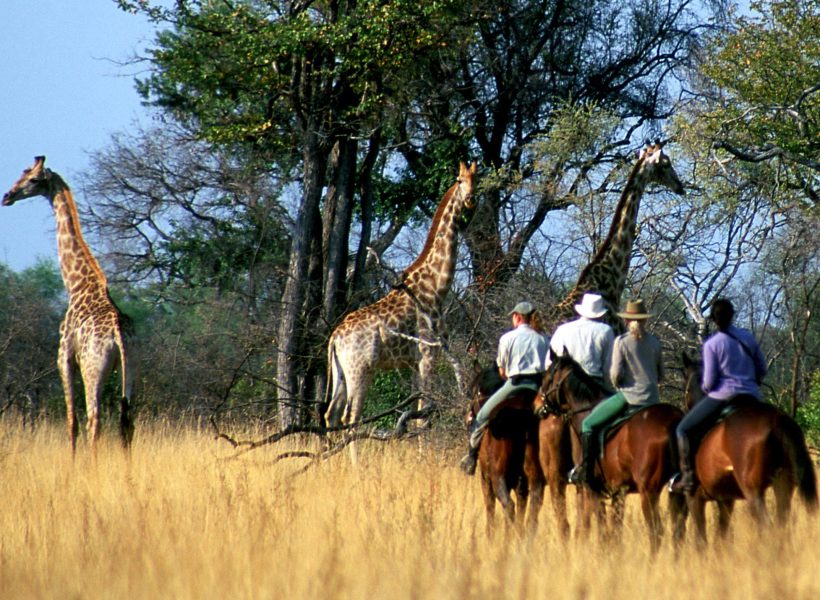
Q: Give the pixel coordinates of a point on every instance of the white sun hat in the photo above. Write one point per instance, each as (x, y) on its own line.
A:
(592, 306)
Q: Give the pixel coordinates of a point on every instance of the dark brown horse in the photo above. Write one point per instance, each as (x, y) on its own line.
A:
(508, 455)
(637, 456)
(755, 447)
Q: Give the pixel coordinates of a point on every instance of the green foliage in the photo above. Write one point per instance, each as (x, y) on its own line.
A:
(808, 414)
(252, 72)
(767, 71)
(388, 389)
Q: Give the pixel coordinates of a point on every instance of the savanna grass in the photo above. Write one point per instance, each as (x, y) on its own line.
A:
(180, 518)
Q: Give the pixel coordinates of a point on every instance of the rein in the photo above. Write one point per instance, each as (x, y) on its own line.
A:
(557, 407)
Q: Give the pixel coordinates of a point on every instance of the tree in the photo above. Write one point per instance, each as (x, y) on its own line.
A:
(759, 97)
(31, 306)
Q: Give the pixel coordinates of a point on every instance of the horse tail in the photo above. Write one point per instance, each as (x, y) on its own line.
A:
(793, 443)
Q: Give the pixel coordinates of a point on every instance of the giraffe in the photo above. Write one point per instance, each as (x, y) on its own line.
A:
(94, 335)
(394, 331)
(606, 272)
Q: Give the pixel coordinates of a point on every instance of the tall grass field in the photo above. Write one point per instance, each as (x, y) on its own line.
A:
(182, 517)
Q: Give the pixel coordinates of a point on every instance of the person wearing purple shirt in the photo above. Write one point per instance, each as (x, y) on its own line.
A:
(733, 365)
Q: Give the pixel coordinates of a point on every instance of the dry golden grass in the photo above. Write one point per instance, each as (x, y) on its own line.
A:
(179, 520)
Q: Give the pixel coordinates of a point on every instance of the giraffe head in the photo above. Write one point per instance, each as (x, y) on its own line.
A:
(33, 182)
(464, 203)
(657, 168)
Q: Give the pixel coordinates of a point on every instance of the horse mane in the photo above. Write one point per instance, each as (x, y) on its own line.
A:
(487, 380)
(580, 385)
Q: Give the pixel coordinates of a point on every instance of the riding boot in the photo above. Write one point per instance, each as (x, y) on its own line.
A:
(469, 461)
(683, 482)
(585, 472)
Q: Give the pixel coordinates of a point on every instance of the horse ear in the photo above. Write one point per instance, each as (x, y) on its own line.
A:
(566, 352)
(553, 355)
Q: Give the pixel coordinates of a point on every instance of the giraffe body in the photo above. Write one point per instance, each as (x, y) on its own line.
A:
(95, 336)
(606, 272)
(396, 330)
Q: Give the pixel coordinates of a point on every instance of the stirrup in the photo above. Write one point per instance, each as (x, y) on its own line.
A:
(574, 476)
(468, 464)
(677, 485)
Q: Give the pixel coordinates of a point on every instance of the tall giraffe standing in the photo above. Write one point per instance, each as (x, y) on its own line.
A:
(94, 334)
(606, 272)
(393, 331)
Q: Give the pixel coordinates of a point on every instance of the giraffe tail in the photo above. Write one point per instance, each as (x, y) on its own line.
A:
(124, 330)
(330, 413)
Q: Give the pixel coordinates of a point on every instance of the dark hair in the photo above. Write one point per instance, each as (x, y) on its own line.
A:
(722, 313)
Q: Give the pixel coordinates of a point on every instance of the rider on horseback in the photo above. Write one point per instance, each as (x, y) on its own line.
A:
(635, 371)
(733, 365)
(522, 355)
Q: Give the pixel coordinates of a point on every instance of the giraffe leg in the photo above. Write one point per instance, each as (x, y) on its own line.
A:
(66, 366)
(93, 393)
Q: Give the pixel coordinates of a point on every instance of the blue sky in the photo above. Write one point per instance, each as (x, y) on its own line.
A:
(63, 96)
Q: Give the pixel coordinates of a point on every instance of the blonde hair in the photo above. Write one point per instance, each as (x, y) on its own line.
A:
(534, 321)
(637, 328)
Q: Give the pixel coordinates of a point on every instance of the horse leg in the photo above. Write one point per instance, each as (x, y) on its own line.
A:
(697, 506)
(558, 498)
(757, 507)
(725, 509)
(502, 492)
(522, 494)
(616, 520)
(678, 510)
(649, 507)
(783, 492)
(489, 501)
(532, 471)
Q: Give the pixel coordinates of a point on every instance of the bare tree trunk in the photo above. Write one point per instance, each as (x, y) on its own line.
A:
(292, 325)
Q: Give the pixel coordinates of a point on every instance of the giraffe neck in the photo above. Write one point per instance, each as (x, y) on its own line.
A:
(430, 276)
(606, 272)
(78, 266)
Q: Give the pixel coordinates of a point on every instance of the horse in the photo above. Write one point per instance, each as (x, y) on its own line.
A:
(637, 456)
(755, 447)
(508, 455)
(555, 458)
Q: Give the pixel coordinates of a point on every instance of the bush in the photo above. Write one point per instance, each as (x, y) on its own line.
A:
(808, 414)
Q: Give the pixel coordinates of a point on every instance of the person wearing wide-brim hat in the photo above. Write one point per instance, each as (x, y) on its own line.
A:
(521, 361)
(587, 339)
(635, 371)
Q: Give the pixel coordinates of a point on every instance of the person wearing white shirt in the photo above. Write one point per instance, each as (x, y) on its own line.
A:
(587, 339)
(521, 360)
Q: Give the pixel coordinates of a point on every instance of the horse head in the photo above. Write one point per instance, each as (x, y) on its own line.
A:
(485, 381)
(567, 389)
(692, 391)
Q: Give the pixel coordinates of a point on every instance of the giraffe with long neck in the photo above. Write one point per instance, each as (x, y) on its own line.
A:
(606, 272)
(94, 335)
(396, 330)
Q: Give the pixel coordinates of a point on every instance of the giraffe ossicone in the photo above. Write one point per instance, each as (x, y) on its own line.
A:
(95, 336)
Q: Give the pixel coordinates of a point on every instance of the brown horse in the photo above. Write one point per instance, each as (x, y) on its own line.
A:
(755, 447)
(555, 458)
(637, 457)
(508, 455)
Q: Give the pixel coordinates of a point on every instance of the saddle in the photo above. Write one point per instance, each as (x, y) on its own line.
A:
(732, 405)
(611, 427)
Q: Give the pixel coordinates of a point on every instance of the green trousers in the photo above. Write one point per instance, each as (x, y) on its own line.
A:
(604, 412)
